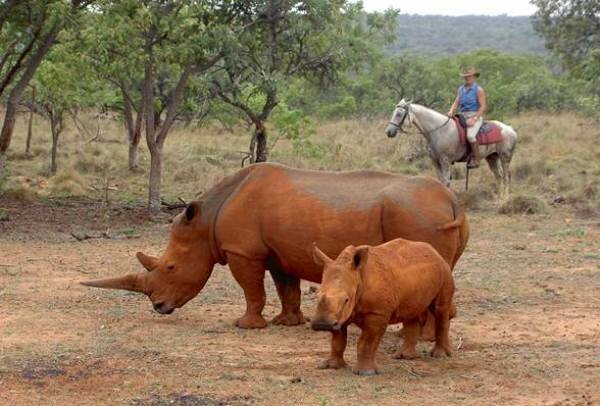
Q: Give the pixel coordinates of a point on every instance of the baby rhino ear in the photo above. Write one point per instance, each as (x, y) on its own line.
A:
(360, 257)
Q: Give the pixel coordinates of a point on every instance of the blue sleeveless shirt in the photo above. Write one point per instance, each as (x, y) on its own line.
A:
(467, 98)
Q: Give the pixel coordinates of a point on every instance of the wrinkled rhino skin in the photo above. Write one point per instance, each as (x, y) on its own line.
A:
(396, 282)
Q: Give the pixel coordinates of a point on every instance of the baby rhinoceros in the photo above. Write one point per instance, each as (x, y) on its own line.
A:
(396, 282)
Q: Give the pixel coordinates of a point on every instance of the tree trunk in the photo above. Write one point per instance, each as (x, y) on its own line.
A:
(2, 163)
(14, 97)
(258, 146)
(155, 177)
(153, 146)
(134, 130)
(8, 126)
(55, 128)
(133, 156)
(30, 125)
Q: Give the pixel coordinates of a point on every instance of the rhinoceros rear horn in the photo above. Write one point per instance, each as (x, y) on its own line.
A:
(147, 261)
(131, 282)
(319, 256)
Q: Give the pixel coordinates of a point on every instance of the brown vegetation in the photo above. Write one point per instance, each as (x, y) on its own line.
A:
(555, 160)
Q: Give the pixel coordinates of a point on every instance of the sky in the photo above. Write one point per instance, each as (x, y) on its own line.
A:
(454, 7)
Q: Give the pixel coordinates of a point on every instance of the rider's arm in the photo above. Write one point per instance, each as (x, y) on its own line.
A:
(454, 107)
(482, 102)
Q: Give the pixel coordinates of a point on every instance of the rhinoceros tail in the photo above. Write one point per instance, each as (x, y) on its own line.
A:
(457, 222)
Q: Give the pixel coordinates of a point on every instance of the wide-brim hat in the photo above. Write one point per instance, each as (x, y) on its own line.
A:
(469, 72)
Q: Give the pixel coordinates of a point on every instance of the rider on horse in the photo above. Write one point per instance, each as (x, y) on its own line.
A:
(470, 101)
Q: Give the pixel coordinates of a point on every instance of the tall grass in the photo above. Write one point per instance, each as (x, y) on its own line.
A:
(557, 160)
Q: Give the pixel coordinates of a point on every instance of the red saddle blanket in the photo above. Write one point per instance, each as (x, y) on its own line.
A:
(489, 133)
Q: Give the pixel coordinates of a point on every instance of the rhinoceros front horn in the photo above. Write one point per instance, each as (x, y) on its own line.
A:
(131, 282)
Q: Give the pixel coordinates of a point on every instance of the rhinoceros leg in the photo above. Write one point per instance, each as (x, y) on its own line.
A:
(411, 332)
(373, 328)
(428, 329)
(288, 289)
(250, 275)
(339, 340)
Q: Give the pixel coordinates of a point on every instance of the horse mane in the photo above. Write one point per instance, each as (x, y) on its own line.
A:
(427, 108)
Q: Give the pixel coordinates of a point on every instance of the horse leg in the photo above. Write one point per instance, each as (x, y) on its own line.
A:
(493, 161)
(445, 170)
(506, 175)
(439, 171)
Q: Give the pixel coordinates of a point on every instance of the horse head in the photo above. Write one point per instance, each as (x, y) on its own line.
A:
(399, 116)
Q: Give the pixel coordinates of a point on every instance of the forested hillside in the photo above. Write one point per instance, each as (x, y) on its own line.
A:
(447, 35)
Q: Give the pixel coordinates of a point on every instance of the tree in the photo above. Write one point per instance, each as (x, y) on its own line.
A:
(312, 39)
(571, 30)
(28, 29)
(175, 42)
(106, 42)
(64, 83)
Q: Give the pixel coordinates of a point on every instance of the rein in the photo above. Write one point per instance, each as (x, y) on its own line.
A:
(434, 130)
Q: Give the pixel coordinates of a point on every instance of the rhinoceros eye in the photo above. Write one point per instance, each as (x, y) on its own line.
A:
(171, 267)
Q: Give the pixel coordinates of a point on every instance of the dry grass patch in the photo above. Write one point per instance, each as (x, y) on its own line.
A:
(67, 183)
(553, 160)
(522, 204)
(18, 190)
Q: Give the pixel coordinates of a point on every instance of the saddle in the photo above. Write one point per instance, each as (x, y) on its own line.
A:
(489, 133)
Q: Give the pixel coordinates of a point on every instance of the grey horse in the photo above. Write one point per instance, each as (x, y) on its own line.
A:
(445, 147)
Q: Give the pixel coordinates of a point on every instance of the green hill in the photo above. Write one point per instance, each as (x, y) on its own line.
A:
(446, 35)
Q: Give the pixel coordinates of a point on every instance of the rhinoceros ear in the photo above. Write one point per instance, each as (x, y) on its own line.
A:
(360, 257)
(319, 256)
(150, 263)
(191, 211)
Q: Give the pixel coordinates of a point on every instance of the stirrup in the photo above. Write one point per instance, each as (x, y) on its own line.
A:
(472, 165)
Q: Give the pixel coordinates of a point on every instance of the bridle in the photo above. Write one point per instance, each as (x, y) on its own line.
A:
(399, 125)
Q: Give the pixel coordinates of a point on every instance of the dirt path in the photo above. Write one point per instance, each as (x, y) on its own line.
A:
(528, 326)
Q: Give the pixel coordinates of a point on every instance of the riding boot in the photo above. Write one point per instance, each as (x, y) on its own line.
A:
(475, 157)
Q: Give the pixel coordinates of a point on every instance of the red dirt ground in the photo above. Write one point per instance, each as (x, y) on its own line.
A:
(527, 332)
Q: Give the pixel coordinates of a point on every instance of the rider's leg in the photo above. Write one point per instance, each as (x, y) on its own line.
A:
(472, 137)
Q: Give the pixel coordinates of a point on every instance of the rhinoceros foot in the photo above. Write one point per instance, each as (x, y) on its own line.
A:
(332, 363)
(406, 354)
(440, 352)
(289, 319)
(365, 372)
(251, 321)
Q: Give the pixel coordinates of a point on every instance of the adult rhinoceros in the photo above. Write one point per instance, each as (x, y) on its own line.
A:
(267, 216)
